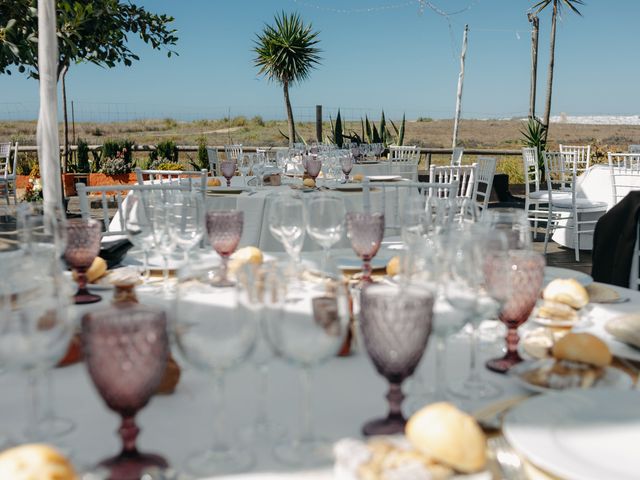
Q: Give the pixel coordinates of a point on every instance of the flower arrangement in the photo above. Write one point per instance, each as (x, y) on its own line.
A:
(33, 191)
(118, 165)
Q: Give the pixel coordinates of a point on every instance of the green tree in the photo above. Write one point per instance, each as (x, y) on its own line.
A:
(557, 9)
(286, 53)
(95, 31)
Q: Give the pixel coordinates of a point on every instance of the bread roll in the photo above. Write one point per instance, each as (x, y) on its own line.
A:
(625, 328)
(557, 311)
(582, 347)
(358, 177)
(393, 267)
(248, 255)
(214, 182)
(600, 293)
(309, 182)
(96, 271)
(567, 291)
(35, 462)
(449, 436)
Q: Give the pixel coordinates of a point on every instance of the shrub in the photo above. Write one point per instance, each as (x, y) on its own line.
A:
(116, 157)
(83, 165)
(257, 120)
(166, 151)
(115, 166)
(203, 157)
(425, 119)
(26, 164)
(168, 166)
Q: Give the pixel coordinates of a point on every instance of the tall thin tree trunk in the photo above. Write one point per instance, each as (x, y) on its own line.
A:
(292, 128)
(547, 110)
(63, 74)
(535, 24)
(456, 118)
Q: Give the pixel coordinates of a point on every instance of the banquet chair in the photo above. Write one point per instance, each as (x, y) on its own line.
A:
(195, 180)
(568, 207)
(580, 154)
(485, 171)
(403, 160)
(624, 170)
(212, 155)
(463, 174)
(456, 156)
(232, 152)
(8, 171)
(534, 196)
(395, 197)
(634, 148)
(110, 193)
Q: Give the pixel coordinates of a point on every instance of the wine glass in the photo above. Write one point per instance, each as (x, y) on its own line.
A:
(513, 222)
(187, 221)
(525, 277)
(346, 163)
(215, 332)
(313, 165)
(228, 170)
(126, 351)
(325, 222)
(245, 162)
(287, 224)
(259, 164)
(224, 230)
(138, 225)
(396, 323)
(83, 246)
(306, 331)
(365, 231)
(160, 208)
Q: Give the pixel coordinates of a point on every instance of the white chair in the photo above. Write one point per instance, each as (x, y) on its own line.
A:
(562, 170)
(535, 201)
(212, 155)
(485, 171)
(580, 154)
(634, 148)
(8, 171)
(463, 174)
(108, 194)
(232, 152)
(624, 169)
(195, 179)
(403, 160)
(456, 156)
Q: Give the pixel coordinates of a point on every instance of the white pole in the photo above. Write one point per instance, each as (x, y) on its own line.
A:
(47, 134)
(463, 55)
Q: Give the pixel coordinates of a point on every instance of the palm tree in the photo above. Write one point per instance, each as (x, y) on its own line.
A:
(286, 53)
(557, 8)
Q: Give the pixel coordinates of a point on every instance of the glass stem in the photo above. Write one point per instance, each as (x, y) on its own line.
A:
(512, 342)
(306, 431)
(48, 409)
(34, 414)
(165, 272)
(129, 433)
(146, 272)
(82, 279)
(224, 267)
(366, 270)
(474, 372)
(441, 368)
(325, 259)
(219, 433)
(262, 418)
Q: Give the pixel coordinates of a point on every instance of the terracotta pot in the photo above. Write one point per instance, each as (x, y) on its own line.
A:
(22, 181)
(97, 179)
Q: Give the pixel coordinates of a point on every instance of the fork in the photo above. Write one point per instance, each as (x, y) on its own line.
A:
(510, 463)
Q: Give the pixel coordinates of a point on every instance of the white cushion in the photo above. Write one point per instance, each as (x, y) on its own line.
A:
(581, 203)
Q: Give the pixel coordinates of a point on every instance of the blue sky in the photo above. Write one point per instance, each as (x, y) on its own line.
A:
(376, 54)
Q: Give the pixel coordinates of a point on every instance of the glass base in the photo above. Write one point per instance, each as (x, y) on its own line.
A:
(391, 425)
(82, 298)
(262, 433)
(502, 365)
(220, 461)
(475, 389)
(52, 427)
(131, 467)
(309, 452)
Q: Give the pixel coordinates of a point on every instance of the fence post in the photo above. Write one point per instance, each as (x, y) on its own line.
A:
(319, 123)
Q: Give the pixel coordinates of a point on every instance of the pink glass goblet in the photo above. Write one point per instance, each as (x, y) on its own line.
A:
(346, 163)
(527, 273)
(83, 246)
(224, 229)
(228, 169)
(126, 351)
(314, 165)
(396, 324)
(365, 231)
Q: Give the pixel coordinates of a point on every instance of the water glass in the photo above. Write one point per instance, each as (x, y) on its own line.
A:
(325, 222)
(187, 225)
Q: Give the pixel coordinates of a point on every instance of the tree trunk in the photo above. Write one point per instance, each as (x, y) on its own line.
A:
(547, 110)
(63, 74)
(535, 24)
(292, 128)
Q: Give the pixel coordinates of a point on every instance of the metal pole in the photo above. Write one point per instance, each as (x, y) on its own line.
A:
(73, 124)
(535, 23)
(319, 123)
(463, 55)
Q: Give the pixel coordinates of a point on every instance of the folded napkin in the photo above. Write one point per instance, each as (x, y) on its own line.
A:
(114, 252)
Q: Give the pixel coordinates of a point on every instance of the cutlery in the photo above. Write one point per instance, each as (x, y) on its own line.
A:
(510, 464)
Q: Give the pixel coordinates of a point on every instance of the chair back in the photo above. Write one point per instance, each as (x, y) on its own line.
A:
(404, 154)
(580, 154)
(212, 155)
(463, 174)
(560, 171)
(232, 152)
(14, 164)
(624, 169)
(485, 171)
(192, 178)
(531, 170)
(5, 156)
(456, 156)
(634, 148)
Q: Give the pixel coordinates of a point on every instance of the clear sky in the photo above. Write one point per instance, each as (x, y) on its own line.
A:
(376, 54)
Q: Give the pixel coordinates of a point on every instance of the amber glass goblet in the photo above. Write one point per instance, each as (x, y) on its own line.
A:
(83, 246)
(526, 276)
(126, 351)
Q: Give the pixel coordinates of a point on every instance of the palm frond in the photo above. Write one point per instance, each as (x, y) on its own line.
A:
(541, 5)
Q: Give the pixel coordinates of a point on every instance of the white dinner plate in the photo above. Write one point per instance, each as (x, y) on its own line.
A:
(618, 348)
(551, 322)
(348, 187)
(551, 273)
(227, 190)
(384, 178)
(612, 378)
(579, 434)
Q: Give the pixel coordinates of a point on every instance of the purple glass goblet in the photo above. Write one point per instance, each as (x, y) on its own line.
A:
(83, 246)
(346, 163)
(365, 231)
(224, 229)
(126, 351)
(314, 165)
(396, 324)
(527, 274)
(228, 169)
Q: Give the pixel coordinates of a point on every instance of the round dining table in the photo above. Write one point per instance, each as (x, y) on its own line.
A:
(346, 392)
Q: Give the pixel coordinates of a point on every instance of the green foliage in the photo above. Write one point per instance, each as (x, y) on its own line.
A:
(538, 7)
(381, 134)
(115, 166)
(399, 140)
(83, 165)
(166, 151)
(95, 31)
(26, 163)
(336, 131)
(535, 135)
(257, 120)
(424, 119)
(202, 161)
(168, 166)
(116, 157)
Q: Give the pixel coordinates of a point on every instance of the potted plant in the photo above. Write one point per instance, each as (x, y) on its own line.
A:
(116, 165)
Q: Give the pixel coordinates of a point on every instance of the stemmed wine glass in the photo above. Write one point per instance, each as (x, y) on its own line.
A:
(138, 225)
(83, 246)
(306, 332)
(513, 222)
(224, 230)
(164, 242)
(346, 163)
(126, 352)
(525, 277)
(325, 222)
(245, 162)
(396, 324)
(365, 231)
(314, 165)
(287, 224)
(215, 332)
(228, 170)
(187, 222)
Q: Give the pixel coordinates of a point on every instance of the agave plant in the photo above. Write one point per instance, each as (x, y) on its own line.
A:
(337, 135)
(535, 135)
